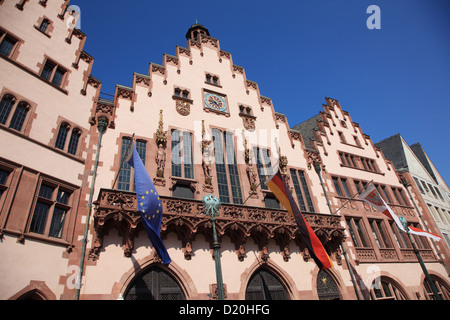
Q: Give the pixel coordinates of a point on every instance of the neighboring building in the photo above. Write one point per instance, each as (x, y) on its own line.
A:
(351, 161)
(431, 186)
(200, 127)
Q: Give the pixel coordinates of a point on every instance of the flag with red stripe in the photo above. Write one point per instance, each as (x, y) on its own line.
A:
(312, 242)
(424, 233)
(372, 197)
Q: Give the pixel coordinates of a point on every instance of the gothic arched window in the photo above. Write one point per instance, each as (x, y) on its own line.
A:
(68, 132)
(327, 288)
(154, 284)
(384, 288)
(442, 289)
(264, 285)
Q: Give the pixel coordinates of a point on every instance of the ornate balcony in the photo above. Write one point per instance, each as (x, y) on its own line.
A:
(118, 209)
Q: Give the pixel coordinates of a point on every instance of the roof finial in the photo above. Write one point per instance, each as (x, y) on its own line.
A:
(196, 21)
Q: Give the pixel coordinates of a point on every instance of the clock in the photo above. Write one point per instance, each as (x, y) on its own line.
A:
(215, 102)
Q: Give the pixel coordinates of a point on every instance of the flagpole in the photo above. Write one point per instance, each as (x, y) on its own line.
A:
(422, 264)
(122, 160)
(344, 252)
(406, 184)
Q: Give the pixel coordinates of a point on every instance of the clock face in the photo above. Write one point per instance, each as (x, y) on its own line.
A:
(215, 102)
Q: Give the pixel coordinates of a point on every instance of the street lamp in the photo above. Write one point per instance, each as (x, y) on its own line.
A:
(212, 206)
(422, 264)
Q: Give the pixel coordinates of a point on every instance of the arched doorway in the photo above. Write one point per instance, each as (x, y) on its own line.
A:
(327, 289)
(264, 285)
(154, 284)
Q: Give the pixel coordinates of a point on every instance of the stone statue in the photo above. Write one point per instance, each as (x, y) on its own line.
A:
(160, 161)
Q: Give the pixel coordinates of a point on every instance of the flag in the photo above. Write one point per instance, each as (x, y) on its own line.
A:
(149, 205)
(424, 233)
(312, 242)
(372, 197)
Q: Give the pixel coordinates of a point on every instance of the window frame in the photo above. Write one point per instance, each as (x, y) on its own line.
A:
(301, 189)
(53, 67)
(386, 286)
(341, 184)
(53, 203)
(185, 149)
(263, 167)
(125, 179)
(358, 232)
(12, 53)
(442, 289)
(12, 114)
(65, 144)
(212, 79)
(380, 234)
(232, 191)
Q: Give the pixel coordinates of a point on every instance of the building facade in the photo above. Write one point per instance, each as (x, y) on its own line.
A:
(68, 205)
(433, 190)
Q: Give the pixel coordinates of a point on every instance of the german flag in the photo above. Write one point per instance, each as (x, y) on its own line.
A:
(315, 247)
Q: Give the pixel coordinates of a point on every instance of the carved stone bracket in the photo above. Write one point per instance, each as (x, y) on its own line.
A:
(313, 158)
(104, 109)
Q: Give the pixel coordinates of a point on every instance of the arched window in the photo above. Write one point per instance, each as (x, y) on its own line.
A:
(65, 131)
(73, 142)
(154, 284)
(327, 288)
(384, 288)
(19, 112)
(264, 285)
(62, 135)
(442, 289)
(19, 116)
(32, 295)
(6, 105)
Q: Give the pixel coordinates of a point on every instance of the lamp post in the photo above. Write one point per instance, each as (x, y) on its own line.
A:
(101, 126)
(212, 206)
(422, 264)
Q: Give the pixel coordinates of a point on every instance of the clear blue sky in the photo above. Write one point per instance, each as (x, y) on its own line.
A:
(392, 80)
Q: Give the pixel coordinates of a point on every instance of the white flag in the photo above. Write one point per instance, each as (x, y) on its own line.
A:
(372, 197)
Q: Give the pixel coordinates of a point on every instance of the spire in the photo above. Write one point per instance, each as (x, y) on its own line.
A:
(195, 30)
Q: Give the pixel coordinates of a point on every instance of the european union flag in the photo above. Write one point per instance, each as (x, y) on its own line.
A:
(149, 205)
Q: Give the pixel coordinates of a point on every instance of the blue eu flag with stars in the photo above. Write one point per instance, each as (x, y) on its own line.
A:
(149, 205)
